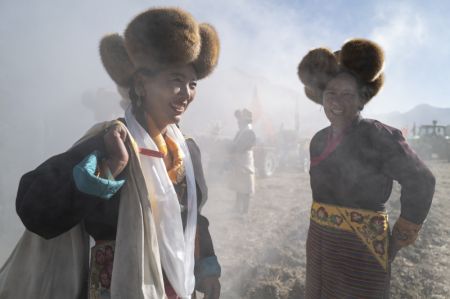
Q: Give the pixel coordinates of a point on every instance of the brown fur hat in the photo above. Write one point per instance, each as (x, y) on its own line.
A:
(116, 60)
(209, 52)
(361, 57)
(160, 38)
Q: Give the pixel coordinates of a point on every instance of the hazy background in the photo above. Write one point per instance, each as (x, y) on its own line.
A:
(52, 80)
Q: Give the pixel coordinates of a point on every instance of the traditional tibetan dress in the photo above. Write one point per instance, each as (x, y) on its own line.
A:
(50, 203)
(352, 176)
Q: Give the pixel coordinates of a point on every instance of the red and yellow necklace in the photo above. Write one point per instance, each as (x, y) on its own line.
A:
(170, 150)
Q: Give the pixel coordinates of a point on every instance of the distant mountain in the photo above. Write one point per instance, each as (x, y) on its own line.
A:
(422, 114)
(276, 107)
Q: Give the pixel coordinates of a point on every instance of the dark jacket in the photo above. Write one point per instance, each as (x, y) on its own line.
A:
(49, 203)
(360, 172)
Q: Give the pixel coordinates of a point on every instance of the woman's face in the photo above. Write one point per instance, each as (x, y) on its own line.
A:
(168, 94)
(341, 100)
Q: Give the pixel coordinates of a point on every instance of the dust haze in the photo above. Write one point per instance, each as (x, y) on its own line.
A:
(52, 85)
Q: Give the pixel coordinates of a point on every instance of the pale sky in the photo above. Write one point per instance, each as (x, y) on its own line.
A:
(51, 46)
(49, 60)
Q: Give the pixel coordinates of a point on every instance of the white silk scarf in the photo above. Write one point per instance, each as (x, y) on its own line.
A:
(176, 247)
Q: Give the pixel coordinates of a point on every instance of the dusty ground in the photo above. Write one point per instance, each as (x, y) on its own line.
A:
(263, 255)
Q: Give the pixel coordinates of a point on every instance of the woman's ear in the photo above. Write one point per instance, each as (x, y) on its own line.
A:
(139, 86)
(361, 105)
(361, 99)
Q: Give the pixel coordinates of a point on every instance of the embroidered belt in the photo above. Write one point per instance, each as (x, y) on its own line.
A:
(370, 226)
(100, 269)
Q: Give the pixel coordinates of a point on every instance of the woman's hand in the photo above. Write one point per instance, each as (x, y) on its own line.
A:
(404, 233)
(210, 286)
(393, 249)
(116, 151)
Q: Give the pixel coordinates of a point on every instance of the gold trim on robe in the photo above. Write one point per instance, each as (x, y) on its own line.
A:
(370, 226)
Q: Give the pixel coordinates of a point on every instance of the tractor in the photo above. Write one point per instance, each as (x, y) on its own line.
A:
(432, 141)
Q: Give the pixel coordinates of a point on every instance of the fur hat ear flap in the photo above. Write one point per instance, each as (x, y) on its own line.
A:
(370, 89)
(162, 37)
(317, 68)
(313, 94)
(209, 52)
(115, 59)
(363, 57)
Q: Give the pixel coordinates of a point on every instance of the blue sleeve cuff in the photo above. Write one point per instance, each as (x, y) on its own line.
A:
(87, 182)
(208, 266)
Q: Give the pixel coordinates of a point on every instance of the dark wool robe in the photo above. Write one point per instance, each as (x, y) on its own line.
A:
(49, 203)
(359, 173)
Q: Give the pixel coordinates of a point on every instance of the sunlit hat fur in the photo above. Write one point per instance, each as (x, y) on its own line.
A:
(159, 38)
(361, 57)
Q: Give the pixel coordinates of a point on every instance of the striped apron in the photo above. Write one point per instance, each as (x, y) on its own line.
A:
(347, 253)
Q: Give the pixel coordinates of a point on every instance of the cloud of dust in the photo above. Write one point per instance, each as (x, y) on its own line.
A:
(52, 81)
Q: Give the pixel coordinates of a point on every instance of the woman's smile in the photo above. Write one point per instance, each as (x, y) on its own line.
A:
(179, 108)
(337, 111)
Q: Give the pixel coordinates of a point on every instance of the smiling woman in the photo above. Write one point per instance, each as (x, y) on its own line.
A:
(165, 95)
(135, 185)
(354, 161)
(341, 101)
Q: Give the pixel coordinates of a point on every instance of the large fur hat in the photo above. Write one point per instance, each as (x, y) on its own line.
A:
(160, 38)
(361, 57)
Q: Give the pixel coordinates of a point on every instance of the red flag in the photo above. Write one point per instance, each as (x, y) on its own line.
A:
(256, 106)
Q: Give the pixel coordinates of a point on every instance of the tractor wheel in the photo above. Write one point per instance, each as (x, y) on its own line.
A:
(269, 165)
(305, 165)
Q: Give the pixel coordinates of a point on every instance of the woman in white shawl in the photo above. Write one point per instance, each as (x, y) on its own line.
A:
(135, 185)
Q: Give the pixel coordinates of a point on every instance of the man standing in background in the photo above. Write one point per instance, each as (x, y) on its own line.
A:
(242, 162)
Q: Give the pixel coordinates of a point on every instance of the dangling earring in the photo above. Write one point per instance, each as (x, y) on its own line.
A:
(136, 99)
(139, 101)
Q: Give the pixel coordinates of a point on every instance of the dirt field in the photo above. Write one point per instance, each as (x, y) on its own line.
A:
(263, 255)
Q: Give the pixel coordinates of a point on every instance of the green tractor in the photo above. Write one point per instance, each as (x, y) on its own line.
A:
(286, 151)
(432, 141)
